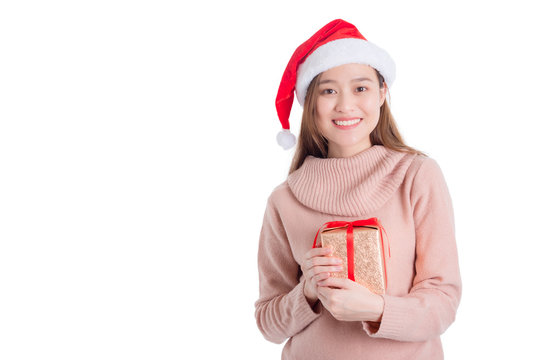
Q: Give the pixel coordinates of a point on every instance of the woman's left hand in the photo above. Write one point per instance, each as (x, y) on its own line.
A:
(347, 300)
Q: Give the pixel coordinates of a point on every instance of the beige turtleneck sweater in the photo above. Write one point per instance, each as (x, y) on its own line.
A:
(409, 196)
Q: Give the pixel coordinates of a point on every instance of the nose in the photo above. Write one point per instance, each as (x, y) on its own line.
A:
(345, 102)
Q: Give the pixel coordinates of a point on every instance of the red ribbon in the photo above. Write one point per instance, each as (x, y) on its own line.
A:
(350, 241)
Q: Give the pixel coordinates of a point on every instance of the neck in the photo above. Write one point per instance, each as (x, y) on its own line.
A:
(336, 151)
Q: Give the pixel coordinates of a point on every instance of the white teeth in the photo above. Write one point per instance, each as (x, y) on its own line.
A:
(347, 122)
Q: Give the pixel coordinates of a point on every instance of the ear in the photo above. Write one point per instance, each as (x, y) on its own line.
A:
(382, 94)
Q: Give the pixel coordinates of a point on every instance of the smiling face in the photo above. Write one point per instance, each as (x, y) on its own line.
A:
(348, 107)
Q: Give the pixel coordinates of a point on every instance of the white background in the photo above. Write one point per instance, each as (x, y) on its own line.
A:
(137, 151)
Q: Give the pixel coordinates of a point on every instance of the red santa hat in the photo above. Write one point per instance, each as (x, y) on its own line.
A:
(337, 43)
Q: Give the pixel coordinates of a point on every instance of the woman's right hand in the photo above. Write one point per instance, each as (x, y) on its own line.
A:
(317, 265)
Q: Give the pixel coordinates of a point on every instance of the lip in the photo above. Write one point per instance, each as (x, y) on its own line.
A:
(347, 127)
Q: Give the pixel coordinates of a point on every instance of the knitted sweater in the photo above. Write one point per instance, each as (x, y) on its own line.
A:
(409, 196)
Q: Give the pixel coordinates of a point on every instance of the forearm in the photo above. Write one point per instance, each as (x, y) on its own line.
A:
(422, 315)
(285, 315)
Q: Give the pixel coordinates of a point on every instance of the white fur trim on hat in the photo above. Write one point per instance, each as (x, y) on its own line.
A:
(341, 52)
(286, 139)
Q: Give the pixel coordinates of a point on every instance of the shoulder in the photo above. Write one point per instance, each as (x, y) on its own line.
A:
(427, 177)
(280, 194)
(423, 173)
(279, 204)
(419, 165)
(426, 169)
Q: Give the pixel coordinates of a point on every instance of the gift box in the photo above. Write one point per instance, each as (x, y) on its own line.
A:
(360, 246)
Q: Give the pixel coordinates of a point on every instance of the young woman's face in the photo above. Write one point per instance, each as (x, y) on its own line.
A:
(347, 108)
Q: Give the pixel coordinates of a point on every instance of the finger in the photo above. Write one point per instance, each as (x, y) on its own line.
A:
(323, 261)
(335, 282)
(307, 262)
(326, 269)
(326, 260)
(321, 276)
(322, 251)
(319, 273)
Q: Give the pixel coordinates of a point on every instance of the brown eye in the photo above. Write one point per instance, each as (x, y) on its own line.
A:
(361, 89)
(329, 91)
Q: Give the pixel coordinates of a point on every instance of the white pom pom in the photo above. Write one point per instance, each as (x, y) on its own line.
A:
(286, 139)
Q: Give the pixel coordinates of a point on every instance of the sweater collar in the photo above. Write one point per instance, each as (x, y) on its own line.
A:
(351, 186)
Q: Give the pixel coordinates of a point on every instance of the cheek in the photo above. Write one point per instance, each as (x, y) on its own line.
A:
(323, 106)
(320, 124)
(371, 104)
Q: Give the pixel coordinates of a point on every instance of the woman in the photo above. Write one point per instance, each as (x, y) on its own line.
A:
(351, 163)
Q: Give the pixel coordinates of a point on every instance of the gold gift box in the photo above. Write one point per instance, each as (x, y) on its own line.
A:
(369, 268)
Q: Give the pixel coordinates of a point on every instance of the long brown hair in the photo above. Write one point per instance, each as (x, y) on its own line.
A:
(312, 142)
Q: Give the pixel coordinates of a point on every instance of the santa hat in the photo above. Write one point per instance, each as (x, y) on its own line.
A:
(337, 43)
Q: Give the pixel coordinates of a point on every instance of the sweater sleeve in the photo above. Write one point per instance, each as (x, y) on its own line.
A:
(431, 305)
(282, 309)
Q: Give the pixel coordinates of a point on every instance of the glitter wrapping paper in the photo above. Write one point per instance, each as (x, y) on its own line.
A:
(368, 255)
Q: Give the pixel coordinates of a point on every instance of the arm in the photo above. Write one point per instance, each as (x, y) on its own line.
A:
(431, 305)
(282, 309)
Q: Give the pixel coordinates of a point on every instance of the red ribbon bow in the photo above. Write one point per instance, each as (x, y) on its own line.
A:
(350, 240)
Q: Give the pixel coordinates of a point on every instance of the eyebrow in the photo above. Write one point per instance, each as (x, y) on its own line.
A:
(355, 79)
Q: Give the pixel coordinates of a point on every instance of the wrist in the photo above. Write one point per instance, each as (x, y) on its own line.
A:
(372, 309)
(378, 308)
(310, 298)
